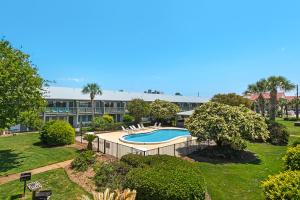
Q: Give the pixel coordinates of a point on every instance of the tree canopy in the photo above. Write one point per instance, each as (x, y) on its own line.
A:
(21, 86)
(163, 110)
(138, 108)
(232, 99)
(228, 126)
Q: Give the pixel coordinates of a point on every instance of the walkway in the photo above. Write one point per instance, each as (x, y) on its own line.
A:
(12, 177)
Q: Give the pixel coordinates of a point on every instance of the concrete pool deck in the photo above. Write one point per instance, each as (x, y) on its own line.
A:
(115, 137)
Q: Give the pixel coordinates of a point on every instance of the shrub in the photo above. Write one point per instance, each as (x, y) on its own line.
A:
(128, 119)
(278, 133)
(111, 175)
(83, 160)
(108, 118)
(134, 160)
(228, 126)
(163, 110)
(57, 133)
(282, 186)
(166, 177)
(292, 158)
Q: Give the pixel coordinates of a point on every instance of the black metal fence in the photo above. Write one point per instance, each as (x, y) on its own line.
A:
(118, 150)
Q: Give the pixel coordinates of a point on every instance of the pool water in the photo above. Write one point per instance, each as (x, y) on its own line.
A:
(157, 136)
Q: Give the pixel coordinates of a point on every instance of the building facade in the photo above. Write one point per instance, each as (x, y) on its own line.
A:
(71, 105)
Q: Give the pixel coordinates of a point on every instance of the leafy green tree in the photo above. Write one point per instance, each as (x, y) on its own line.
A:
(138, 108)
(228, 126)
(127, 119)
(92, 89)
(162, 110)
(108, 118)
(232, 99)
(31, 119)
(259, 88)
(21, 87)
(275, 83)
(283, 103)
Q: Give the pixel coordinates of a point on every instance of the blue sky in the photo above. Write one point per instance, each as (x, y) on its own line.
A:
(191, 46)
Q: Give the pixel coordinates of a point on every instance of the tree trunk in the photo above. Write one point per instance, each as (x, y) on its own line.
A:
(261, 102)
(286, 111)
(93, 109)
(273, 104)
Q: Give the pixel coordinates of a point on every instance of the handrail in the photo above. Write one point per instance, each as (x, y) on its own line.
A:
(98, 110)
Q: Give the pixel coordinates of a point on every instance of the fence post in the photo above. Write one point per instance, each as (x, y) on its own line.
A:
(117, 150)
(158, 150)
(104, 145)
(144, 153)
(174, 149)
(98, 146)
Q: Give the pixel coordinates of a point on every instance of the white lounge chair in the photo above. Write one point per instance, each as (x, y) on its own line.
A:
(139, 127)
(124, 129)
(159, 125)
(143, 127)
(155, 125)
(134, 128)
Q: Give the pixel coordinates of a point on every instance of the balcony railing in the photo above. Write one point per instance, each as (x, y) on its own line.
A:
(83, 110)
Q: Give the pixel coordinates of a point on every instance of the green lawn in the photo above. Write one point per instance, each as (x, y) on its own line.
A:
(56, 180)
(242, 181)
(24, 152)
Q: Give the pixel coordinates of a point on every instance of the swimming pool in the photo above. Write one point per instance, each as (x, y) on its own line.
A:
(155, 137)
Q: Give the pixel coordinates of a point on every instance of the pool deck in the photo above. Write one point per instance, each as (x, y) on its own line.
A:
(115, 137)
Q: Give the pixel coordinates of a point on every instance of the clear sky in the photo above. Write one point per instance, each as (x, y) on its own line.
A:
(189, 46)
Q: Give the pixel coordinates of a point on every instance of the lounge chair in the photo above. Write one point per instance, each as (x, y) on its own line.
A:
(140, 127)
(159, 125)
(143, 127)
(131, 128)
(134, 128)
(124, 129)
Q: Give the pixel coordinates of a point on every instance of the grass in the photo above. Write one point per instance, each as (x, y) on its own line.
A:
(242, 181)
(24, 152)
(55, 180)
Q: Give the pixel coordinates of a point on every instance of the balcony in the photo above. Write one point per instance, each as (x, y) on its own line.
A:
(84, 110)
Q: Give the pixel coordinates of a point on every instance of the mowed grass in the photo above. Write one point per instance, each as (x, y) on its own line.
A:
(242, 181)
(55, 180)
(24, 152)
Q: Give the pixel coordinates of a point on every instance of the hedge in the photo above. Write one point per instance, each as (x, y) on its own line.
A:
(55, 133)
(164, 177)
(282, 186)
(278, 133)
(292, 158)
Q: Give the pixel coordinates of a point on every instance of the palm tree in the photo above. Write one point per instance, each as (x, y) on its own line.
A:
(93, 89)
(283, 103)
(259, 88)
(275, 83)
(90, 138)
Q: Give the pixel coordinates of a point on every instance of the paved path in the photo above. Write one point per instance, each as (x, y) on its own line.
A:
(12, 177)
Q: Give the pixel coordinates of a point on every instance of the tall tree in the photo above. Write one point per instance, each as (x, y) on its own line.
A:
(275, 83)
(21, 87)
(138, 108)
(259, 88)
(232, 99)
(163, 110)
(92, 89)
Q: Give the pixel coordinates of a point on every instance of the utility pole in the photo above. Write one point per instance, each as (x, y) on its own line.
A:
(297, 104)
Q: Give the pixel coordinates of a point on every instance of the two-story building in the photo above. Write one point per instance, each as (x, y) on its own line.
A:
(71, 105)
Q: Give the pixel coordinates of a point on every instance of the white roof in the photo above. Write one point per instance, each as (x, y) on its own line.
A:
(65, 93)
(186, 113)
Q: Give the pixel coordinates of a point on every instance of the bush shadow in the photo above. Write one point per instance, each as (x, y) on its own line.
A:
(9, 160)
(214, 155)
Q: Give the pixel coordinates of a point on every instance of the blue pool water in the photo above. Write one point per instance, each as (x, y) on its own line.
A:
(156, 136)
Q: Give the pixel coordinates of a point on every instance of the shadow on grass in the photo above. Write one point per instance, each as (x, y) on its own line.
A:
(43, 145)
(9, 160)
(215, 155)
(17, 196)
